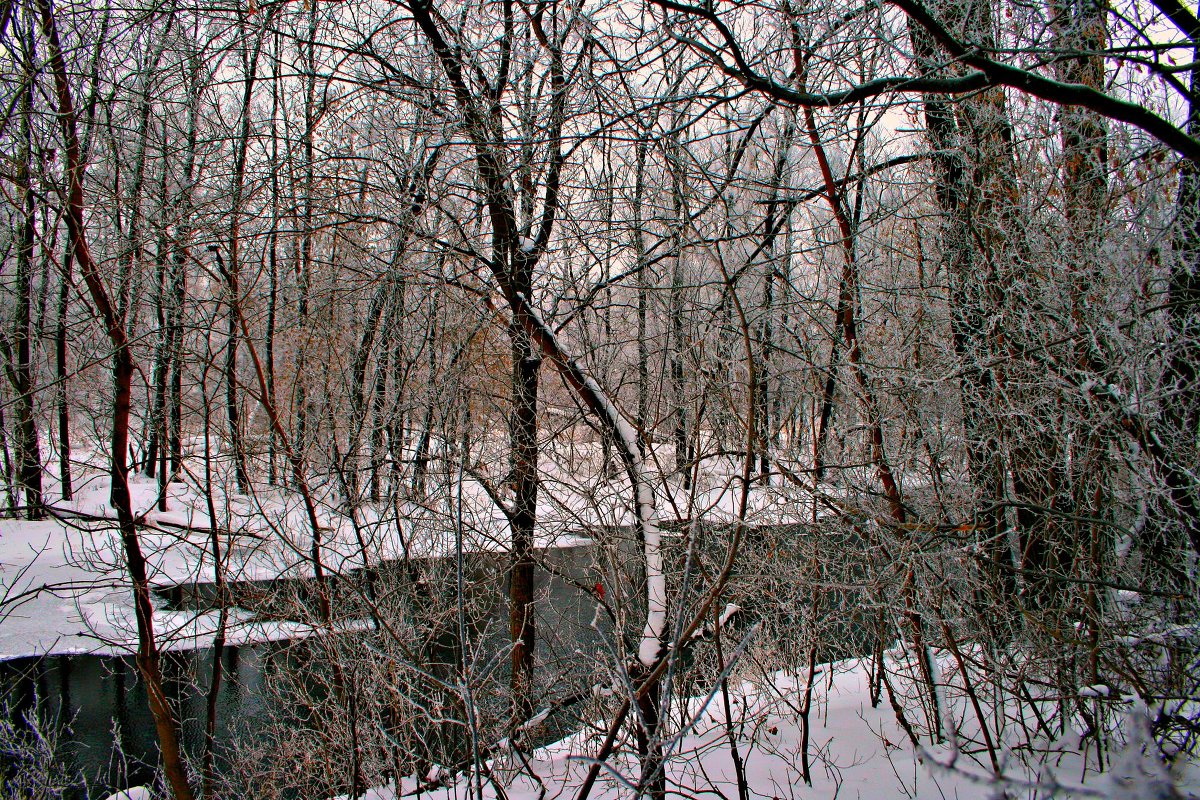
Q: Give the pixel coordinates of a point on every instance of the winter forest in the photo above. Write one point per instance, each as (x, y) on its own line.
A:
(527, 399)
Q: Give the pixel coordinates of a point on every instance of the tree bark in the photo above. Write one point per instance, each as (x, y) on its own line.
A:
(29, 460)
(526, 365)
(973, 337)
(178, 274)
(273, 259)
(233, 277)
(304, 262)
(147, 657)
(162, 348)
(1181, 381)
(676, 351)
(642, 419)
(517, 247)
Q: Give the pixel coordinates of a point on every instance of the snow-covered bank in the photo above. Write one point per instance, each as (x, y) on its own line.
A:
(64, 589)
(856, 751)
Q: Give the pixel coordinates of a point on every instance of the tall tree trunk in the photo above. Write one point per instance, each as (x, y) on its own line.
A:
(178, 274)
(1081, 27)
(61, 374)
(643, 296)
(385, 296)
(1181, 380)
(28, 451)
(233, 278)
(378, 405)
(273, 258)
(675, 355)
(824, 415)
(130, 263)
(519, 240)
(304, 263)
(158, 409)
(974, 339)
(765, 330)
(421, 454)
(848, 323)
(207, 771)
(147, 658)
(9, 473)
(524, 446)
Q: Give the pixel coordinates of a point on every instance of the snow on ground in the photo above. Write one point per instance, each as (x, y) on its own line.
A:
(63, 586)
(856, 752)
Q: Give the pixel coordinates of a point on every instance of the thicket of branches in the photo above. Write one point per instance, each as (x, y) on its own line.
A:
(876, 320)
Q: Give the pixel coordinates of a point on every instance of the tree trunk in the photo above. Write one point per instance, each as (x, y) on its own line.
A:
(973, 340)
(1084, 135)
(516, 249)
(643, 300)
(677, 349)
(304, 263)
(61, 374)
(158, 408)
(848, 324)
(378, 402)
(273, 259)
(147, 651)
(178, 275)
(824, 416)
(765, 330)
(233, 278)
(524, 448)
(29, 459)
(9, 473)
(1181, 408)
(207, 772)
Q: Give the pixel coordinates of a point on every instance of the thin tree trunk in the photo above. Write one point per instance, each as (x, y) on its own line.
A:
(643, 300)
(178, 282)
(676, 353)
(1084, 135)
(158, 411)
(304, 264)
(772, 225)
(147, 652)
(731, 735)
(28, 451)
(825, 416)
(273, 259)
(207, 771)
(847, 300)
(385, 295)
(421, 451)
(61, 374)
(378, 403)
(233, 278)
(516, 249)
(396, 427)
(9, 474)
(129, 276)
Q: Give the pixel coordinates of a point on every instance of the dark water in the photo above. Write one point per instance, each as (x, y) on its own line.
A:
(98, 704)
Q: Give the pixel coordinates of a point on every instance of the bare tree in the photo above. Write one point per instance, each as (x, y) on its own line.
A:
(123, 367)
